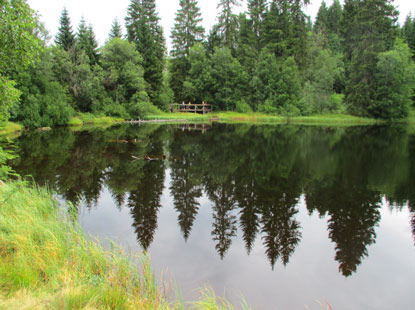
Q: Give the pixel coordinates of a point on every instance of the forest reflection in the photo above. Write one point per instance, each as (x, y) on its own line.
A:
(254, 177)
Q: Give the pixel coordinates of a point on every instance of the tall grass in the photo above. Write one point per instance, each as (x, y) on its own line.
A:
(86, 118)
(7, 128)
(46, 262)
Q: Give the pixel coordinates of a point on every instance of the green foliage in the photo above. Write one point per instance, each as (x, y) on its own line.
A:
(123, 79)
(395, 83)
(5, 155)
(321, 75)
(9, 96)
(81, 81)
(18, 42)
(19, 47)
(44, 101)
(227, 78)
(278, 88)
(242, 106)
(198, 82)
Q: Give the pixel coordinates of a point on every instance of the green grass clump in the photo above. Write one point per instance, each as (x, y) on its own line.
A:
(177, 116)
(89, 119)
(75, 121)
(46, 262)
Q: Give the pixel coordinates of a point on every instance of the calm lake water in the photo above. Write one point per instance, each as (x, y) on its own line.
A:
(282, 215)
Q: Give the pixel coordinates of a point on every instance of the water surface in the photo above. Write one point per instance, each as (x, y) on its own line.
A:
(283, 215)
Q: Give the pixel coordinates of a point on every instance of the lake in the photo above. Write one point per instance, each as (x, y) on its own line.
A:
(284, 215)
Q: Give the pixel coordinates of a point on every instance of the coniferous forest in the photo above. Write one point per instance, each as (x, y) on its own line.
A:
(353, 59)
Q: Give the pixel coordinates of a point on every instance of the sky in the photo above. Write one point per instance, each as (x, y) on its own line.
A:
(101, 13)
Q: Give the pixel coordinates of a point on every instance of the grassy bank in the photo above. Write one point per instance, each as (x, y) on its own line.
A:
(234, 117)
(90, 119)
(47, 263)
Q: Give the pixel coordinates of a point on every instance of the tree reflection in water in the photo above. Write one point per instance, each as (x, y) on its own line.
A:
(253, 176)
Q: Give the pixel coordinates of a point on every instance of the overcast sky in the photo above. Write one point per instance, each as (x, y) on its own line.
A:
(101, 13)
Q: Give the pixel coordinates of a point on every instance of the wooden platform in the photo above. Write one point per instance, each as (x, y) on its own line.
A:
(192, 108)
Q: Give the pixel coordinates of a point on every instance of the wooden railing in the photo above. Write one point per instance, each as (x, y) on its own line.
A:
(191, 107)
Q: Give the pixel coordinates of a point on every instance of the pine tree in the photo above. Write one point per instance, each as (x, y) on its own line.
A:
(227, 21)
(368, 29)
(143, 29)
(65, 36)
(116, 31)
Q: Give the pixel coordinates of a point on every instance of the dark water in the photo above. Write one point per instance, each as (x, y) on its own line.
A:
(283, 215)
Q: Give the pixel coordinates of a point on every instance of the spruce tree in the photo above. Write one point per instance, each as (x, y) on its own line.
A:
(286, 29)
(227, 21)
(116, 31)
(86, 42)
(65, 36)
(256, 11)
(187, 32)
(368, 30)
(187, 29)
(408, 33)
(334, 17)
(143, 29)
(322, 18)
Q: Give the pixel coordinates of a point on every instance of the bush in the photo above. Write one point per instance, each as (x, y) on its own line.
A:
(242, 107)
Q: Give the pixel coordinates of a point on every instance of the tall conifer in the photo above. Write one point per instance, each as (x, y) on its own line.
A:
(322, 18)
(86, 41)
(116, 31)
(256, 11)
(143, 29)
(187, 32)
(227, 21)
(187, 29)
(65, 36)
(368, 29)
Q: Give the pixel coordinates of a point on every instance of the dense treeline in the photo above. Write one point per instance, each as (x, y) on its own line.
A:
(354, 59)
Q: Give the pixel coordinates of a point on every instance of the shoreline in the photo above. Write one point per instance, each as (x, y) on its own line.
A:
(11, 130)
